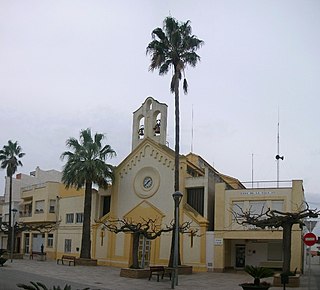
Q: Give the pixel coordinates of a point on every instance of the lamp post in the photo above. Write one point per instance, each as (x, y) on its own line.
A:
(177, 196)
(12, 232)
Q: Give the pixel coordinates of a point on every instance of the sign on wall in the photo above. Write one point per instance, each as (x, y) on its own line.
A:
(218, 242)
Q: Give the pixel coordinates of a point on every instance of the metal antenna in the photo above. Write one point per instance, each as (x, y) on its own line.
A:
(252, 170)
(278, 157)
(192, 129)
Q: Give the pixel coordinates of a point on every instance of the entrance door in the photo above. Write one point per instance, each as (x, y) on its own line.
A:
(26, 243)
(144, 252)
(37, 241)
(18, 244)
(240, 256)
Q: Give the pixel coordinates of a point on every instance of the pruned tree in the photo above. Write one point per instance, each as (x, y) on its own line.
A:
(274, 219)
(26, 227)
(149, 228)
(19, 227)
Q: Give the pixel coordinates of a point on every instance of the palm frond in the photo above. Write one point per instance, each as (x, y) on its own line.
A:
(9, 157)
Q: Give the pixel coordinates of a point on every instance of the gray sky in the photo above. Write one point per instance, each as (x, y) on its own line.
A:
(68, 65)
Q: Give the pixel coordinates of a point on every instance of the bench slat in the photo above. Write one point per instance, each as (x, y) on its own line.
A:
(157, 270)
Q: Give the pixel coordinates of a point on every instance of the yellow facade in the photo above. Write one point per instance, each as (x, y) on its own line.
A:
(143, 188)
(47, 204)
(236, 245)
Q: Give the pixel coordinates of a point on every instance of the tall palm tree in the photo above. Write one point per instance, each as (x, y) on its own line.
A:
(9, 158)
(174, 47)
(86, 165)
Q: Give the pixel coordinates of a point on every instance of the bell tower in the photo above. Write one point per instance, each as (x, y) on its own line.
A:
(150, 120)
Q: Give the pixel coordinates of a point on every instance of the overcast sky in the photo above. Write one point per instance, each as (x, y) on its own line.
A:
(68, 65)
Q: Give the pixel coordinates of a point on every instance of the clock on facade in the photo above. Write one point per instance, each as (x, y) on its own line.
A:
(147, 182)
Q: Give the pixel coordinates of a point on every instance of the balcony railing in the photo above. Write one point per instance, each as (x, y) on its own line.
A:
(25, 214)
(267, 184)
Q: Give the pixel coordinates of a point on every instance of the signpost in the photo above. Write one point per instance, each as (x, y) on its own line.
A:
(309, 239)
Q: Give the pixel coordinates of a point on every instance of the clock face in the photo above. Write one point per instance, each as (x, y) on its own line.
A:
(147, 182)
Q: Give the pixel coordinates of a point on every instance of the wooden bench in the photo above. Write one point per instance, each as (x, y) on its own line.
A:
(66, 258)
(157, 270)
(42, 255)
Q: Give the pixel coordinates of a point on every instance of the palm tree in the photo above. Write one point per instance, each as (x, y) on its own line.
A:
(9, 158)
(173, 47)
(86, 165)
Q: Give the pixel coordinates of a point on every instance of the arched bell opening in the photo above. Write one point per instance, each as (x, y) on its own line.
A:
(157, 124)
(141, 131)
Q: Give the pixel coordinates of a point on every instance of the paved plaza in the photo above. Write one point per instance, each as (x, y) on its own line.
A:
(108, 278)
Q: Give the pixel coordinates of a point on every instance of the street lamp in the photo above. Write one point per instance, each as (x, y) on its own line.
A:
(177, 196)
(12, 232)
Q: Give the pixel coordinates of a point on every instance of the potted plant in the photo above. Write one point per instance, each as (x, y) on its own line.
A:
(257, 273)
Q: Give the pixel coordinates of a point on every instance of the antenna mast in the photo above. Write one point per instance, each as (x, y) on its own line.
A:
(192, 129)
(252, 170)
(278, 157)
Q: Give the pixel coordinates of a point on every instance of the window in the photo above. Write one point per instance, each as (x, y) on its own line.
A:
(69, 218)
(39, 206)
(275, 251)
(237, 209)
(277, 205)
(67, 245)
(195, 198)
(258, 207)
(79, 217)
(50, 241)
(52, 205)
(141, 129)
(106, 204)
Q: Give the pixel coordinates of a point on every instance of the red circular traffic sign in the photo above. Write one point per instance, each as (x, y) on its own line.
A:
(310, 239)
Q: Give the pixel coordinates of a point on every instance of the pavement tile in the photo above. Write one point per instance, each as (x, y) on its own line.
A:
(108, 278)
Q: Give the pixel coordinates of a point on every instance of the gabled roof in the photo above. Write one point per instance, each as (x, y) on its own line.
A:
(147, 141)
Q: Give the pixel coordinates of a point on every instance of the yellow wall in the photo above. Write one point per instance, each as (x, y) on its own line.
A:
(226, 228)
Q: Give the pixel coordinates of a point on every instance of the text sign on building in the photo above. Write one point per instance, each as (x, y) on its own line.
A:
(310, 239)
(218, 242)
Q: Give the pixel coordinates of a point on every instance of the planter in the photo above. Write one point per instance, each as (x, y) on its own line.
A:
(184, 270)
(251, 286)
(134, 273)
(86, 262)
(144, 273)
(294, 281)
(16, 256)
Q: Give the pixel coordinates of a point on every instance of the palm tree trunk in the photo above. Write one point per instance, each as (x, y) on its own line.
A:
(10, 215)
(176, 163)
(86, 227)
(286, 238)
(177, 141)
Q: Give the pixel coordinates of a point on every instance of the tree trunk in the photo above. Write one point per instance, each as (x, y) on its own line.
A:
(135, 248)
(286, 238)
(86, 227)
(177, 141)
(10, 215)
(176, 162)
